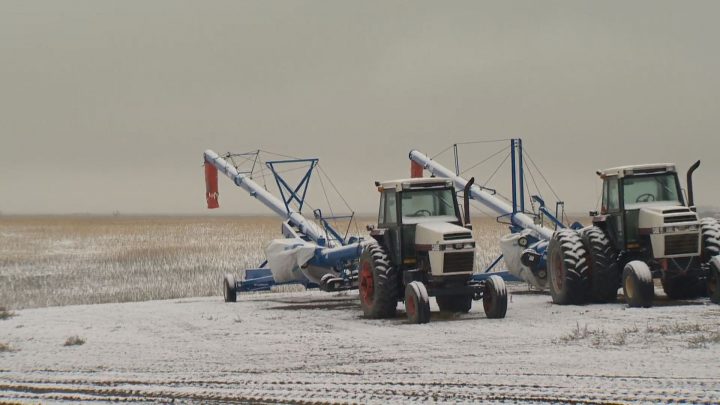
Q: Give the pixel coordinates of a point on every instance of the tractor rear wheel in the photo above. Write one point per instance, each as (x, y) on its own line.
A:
(604, 272)
(714, 280)
(710, 228)
(229, 292)
(454, 303)
(378, 285)
(417, 303)
(683, 287)
(638, 284)
(495, 297)
(568, 268)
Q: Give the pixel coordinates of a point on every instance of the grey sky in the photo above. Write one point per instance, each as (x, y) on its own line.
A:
(108, 106)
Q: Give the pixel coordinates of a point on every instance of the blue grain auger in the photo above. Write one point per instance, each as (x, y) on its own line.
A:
(524, 249)
(310, 254)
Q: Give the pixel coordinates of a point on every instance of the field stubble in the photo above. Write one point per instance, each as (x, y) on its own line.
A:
(50, 261)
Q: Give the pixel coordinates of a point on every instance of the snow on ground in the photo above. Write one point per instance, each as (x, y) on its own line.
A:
(313, 347)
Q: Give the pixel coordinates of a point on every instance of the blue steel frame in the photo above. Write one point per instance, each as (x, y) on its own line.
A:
(260, 278)
(544, 210)
(332, 231)
(518, 205)
(293, 194)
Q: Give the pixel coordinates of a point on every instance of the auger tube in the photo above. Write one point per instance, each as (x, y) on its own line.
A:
(246, 183)
(483, 197)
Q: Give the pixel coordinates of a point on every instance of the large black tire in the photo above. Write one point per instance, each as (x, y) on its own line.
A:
(604, 268)
(378, 284)
(454, 303)
(417, 303)
(229, 292)
(683, 287)
(495, 298)
(714, 280)
(638, 284)
(568, 268)
(710, 228)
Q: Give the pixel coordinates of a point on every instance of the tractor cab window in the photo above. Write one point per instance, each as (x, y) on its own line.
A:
(611, 196)
(419, 204)
(390, 206)
(648, 189)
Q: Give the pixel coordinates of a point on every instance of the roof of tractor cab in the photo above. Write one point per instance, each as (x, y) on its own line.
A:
(415, 183)
(630, 170)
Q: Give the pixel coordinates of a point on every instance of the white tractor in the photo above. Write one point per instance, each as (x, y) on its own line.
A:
(422, 248)
(644, 230)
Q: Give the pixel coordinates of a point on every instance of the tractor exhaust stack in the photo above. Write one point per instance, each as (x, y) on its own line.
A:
(466, 201)
(691, 170)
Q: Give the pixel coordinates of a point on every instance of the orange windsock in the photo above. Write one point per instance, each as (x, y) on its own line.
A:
(415, 169)
(211, 186)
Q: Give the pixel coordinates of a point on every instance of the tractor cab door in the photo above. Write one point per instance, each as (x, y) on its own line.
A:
(612, 208)
(388, 220)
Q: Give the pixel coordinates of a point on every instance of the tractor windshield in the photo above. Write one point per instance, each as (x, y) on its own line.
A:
(649, 189)
(419, 204)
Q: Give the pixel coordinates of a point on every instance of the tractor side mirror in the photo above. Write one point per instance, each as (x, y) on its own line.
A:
(370, 227)
(593, 213)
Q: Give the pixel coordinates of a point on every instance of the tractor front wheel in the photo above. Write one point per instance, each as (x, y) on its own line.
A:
(495, 297)
(638, 284)
(229, 292)
(417, 303)
(378, 286)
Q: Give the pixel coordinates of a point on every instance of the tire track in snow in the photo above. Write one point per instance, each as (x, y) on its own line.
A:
(331, 388)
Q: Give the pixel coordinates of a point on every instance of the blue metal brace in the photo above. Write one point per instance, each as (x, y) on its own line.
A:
(293, 193)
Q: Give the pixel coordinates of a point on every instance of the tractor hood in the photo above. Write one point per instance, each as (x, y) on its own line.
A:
(674, 231)
(429, 233)
(654, 216)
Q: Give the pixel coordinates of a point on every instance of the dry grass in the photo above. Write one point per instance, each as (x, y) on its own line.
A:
(48, 261)
(75, 260)
(4, 347)
(694, 335)
(6, 313)
(74, 341)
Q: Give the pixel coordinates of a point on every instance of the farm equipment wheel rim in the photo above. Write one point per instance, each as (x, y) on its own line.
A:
(366, 283)
(558, 272)
(410, 307)
(629, 287)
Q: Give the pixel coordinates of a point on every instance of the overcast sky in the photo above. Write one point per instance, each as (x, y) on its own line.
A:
(108, 105)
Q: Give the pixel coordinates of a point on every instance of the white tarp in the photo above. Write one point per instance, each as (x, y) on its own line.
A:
(286, 256)
(512, 251)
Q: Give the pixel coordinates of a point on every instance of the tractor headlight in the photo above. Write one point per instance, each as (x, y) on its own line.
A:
(657, 230)
(470, 245)
(458, 246)
(679, 228)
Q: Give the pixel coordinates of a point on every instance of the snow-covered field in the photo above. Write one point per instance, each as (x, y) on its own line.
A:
(313, 347)
(306, 347)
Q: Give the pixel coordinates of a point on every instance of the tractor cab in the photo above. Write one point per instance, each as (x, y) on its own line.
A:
(643, 211)
(428, 204)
